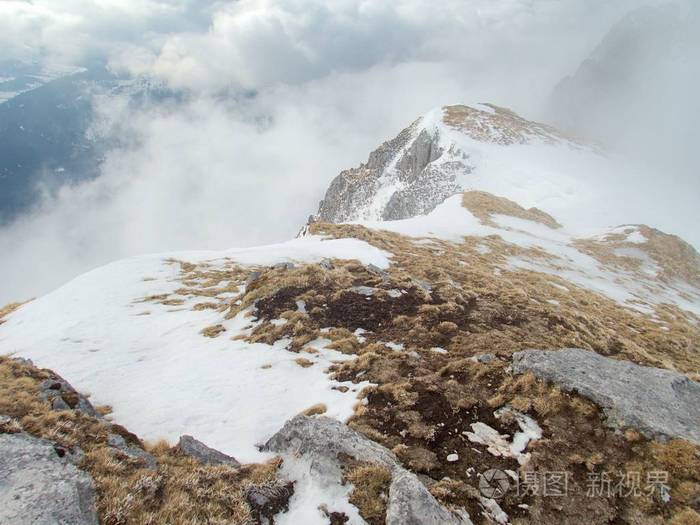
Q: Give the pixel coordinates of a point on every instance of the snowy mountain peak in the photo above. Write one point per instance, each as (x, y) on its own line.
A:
(449, 150)
(491, 123)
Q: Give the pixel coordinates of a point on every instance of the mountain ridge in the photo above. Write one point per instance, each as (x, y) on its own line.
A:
(429, 161)
(395, 340)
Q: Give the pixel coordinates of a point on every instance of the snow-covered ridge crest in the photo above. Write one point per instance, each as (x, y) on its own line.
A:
(449, 150)
(499, 125)
(636, 266)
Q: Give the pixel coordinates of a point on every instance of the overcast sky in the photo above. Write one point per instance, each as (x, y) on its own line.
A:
(281, 95)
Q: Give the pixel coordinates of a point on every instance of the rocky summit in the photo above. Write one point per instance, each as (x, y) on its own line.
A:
(466, 332)
(437, 156)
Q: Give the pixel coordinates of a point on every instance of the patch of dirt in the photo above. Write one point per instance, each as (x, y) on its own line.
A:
(284, 299)
(269, 500)
(352, 310)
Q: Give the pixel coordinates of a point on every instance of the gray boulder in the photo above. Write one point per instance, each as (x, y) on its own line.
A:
(322, 441)
(63, 396)
(208, 456)
(37, 487)
(132, 450)
(410, 503)
(658, 402)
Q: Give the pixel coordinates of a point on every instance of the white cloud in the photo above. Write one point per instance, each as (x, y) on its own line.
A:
(332, 80)
(257, 43)
(71, 31)
(214, 175)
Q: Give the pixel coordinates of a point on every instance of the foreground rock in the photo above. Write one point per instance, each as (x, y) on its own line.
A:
(63, 396)
(39, 488)
(132, 449)
(658, 402)
(323, 441)
(189, 446)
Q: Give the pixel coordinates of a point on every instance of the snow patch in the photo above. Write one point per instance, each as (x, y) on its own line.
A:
(161, 376)
(310, 492)
(498, 444)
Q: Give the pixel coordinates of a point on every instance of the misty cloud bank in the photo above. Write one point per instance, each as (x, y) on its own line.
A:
(277, 97)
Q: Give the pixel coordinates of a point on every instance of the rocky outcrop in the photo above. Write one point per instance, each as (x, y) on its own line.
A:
(63, 396)
(324, 441)
(189, 446)
(426, 163)
(429, 188)
(133, 449)
(398, 181)
(38, 487)
(410, 503)
(658, 402)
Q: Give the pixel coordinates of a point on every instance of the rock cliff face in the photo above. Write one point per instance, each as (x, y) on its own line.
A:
(401, 165)
(426, 163)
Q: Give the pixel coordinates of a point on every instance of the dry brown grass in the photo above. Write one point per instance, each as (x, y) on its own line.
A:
(217, 285)
(180, 492)
(370, 491)
(8, 309)
(213, 331)
(418, 459)
(512, 129)
(303, 362)
(470, 312)
(483, 205)
(512, 312)
(315, 410)
(686, 517)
